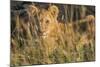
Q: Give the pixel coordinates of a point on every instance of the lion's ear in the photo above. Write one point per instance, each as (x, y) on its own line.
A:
(54, 10)
(90, 18)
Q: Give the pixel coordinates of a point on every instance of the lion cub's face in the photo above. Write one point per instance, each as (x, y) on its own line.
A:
(48, 20)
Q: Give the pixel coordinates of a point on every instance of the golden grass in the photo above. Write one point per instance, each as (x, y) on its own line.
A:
(45, 40)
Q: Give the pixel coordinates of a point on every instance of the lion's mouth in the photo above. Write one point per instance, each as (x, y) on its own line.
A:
(44, 34)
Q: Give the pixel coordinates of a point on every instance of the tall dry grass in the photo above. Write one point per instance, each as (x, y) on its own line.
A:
(38, 37)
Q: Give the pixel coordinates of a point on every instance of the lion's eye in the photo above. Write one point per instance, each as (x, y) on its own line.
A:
(47, 21)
